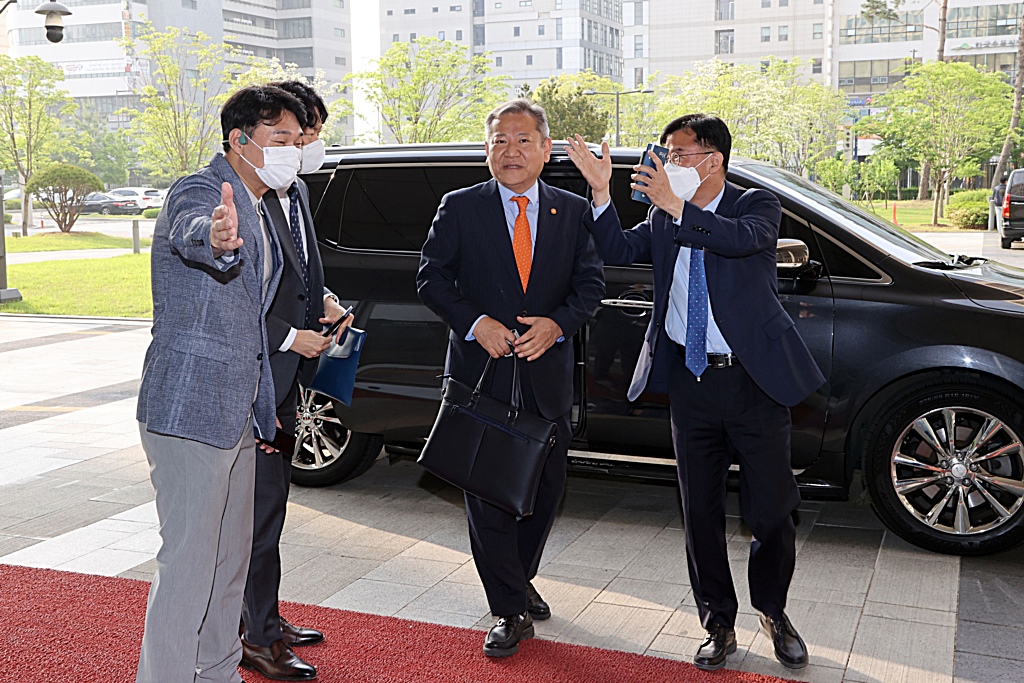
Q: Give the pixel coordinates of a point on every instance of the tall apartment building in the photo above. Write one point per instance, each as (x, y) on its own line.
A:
(100, 75)
(529, 40)
(636, 43)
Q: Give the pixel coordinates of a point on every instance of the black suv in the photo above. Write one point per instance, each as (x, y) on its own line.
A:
(921, 350)
(1011, 228)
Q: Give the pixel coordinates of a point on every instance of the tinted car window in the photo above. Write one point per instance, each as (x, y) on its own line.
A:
(1015, 185)
(392, 208)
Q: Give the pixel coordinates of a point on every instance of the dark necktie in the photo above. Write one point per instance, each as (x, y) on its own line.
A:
(697, 315)
(295, 228)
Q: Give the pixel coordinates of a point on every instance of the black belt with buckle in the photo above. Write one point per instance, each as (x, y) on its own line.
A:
(715, 360)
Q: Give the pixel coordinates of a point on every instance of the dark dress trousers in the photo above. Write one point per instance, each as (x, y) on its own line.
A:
(273, 470)
(468, 269)
(739, 411)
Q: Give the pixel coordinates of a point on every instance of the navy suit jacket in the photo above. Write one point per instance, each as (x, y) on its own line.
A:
(468, 269)
(739, 240)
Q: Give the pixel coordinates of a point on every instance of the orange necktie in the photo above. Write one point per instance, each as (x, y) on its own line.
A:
(521, 241)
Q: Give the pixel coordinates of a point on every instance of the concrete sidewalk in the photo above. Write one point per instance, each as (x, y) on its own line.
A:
(75, 495)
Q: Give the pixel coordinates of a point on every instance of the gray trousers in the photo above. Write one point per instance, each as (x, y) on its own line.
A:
(204, 502)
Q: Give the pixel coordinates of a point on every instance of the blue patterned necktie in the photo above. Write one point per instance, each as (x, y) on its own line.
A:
(697, 315)
(295, 228)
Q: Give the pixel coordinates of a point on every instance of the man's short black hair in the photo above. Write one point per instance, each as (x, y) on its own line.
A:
(709, 131)
(310, 99)
(255, 104)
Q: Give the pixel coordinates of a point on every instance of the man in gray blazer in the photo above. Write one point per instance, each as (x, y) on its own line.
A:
(207, 385)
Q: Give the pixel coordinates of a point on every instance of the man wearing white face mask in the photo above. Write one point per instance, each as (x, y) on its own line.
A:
(302, 306)
(729, 357)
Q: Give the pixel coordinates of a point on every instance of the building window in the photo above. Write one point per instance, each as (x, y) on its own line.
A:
(558, 58)
(526, 3)
(341, 61)
(455, 8)
(295, 28)
(638, 46)
(339, 3)
(440, 35)
(339, 32)
(783, 3)
(766, 34)
(434, 9)
(816, 65)
(817, 31)
(479, 35)
(724, 10)
(412, 37)
(458, 35)
(878, 75)
(410, 11)
(766, 3)
(558, 28)
(725, 42)
(855, 30)
(391, 12)
(783, 34)
(990, 20)
(515, 31)
(497, 5)
(529, 60)
(540, 30)
(638, 13)
(638, 77)
(478, 8)
(190, 4)
(395, 38)
(498, 61)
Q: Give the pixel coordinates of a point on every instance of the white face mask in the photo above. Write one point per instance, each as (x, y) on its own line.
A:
(313, 156)
(280, 165)
(684, 179)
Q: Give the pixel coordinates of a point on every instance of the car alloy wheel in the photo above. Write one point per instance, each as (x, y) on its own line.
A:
(944, 463)
(327, 453)
(105, 210)
(959, 470)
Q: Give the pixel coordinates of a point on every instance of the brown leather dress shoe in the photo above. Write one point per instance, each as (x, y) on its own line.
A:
(276, 662)
(297, 636)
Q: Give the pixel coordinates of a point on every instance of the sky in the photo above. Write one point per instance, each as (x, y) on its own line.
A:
(365, 49)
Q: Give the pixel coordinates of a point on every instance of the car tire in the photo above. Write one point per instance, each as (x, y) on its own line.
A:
(964, 498)
(325, 452)
(1006, 243)
(105, 210)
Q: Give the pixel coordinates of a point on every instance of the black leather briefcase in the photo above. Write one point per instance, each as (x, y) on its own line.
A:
(487, 447)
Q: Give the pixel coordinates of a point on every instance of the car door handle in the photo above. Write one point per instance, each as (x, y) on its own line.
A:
(628, 303)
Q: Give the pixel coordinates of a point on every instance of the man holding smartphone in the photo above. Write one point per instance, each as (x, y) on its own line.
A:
(295, 332)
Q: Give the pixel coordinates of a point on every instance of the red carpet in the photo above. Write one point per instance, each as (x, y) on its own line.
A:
(62, 627)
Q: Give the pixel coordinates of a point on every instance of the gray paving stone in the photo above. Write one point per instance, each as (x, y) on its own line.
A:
(293, 556)
(567, 598)
(972, 668)
(767, 664)
(904, 613)
(824, 582)
(845, 546)
(437, 617)
(916, 579)
(889, 650)
(79, 514)
(598, 575)
(374, 597)
(645, 594)
(1007, 563)
(662, 560)
(133, 495)
(615, 627)
(685, 624)
(412, 571)
(321, 577)
(466, 574)
(829, 631)
(991, 598)
(12, 544)
(457, 598)
(990, 640)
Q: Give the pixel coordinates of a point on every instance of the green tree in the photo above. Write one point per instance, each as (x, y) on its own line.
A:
(877, 175)
(569, 111)
(178, 126)
(833, 173)
(432, 90)
(32, 105)
(107, 153)
(258, 71)
(948, 114)
(62, 188)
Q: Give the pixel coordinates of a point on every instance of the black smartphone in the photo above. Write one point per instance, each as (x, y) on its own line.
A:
(283, 441)
(335, 325)
(661, 153)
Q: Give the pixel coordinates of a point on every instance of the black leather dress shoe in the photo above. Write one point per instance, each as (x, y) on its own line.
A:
(276, 662)
(503, 638)
(297, 636)
(535, 604)
(790, 649)
(719, 642)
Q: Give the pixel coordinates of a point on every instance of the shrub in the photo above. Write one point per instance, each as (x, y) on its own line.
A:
(8, 218)
(969, 215)
(13, 204)
(62, 189)
(150, 213)
(969, 197)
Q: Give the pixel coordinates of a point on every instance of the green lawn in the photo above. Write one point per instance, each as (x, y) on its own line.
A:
(61, 241)
(114, 287)
(911, 215)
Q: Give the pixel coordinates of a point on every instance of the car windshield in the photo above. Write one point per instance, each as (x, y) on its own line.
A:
(887, 237)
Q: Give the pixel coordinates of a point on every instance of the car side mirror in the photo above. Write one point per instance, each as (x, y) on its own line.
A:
(791, 256)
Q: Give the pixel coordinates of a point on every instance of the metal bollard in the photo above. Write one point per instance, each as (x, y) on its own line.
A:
(135, 235)
(991, 214)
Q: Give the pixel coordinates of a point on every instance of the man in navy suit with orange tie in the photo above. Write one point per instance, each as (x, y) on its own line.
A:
(730, 358)
(509, 256)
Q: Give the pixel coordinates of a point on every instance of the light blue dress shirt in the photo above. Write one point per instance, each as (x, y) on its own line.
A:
(675, 319)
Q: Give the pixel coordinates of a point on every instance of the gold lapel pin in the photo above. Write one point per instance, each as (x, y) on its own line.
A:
(554, 211)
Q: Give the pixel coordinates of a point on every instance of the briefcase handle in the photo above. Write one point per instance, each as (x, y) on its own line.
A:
(517, 392)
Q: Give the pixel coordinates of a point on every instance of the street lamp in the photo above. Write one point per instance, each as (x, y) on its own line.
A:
(617, 93)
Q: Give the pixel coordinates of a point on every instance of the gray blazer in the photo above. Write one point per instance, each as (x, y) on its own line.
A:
(209, 356)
